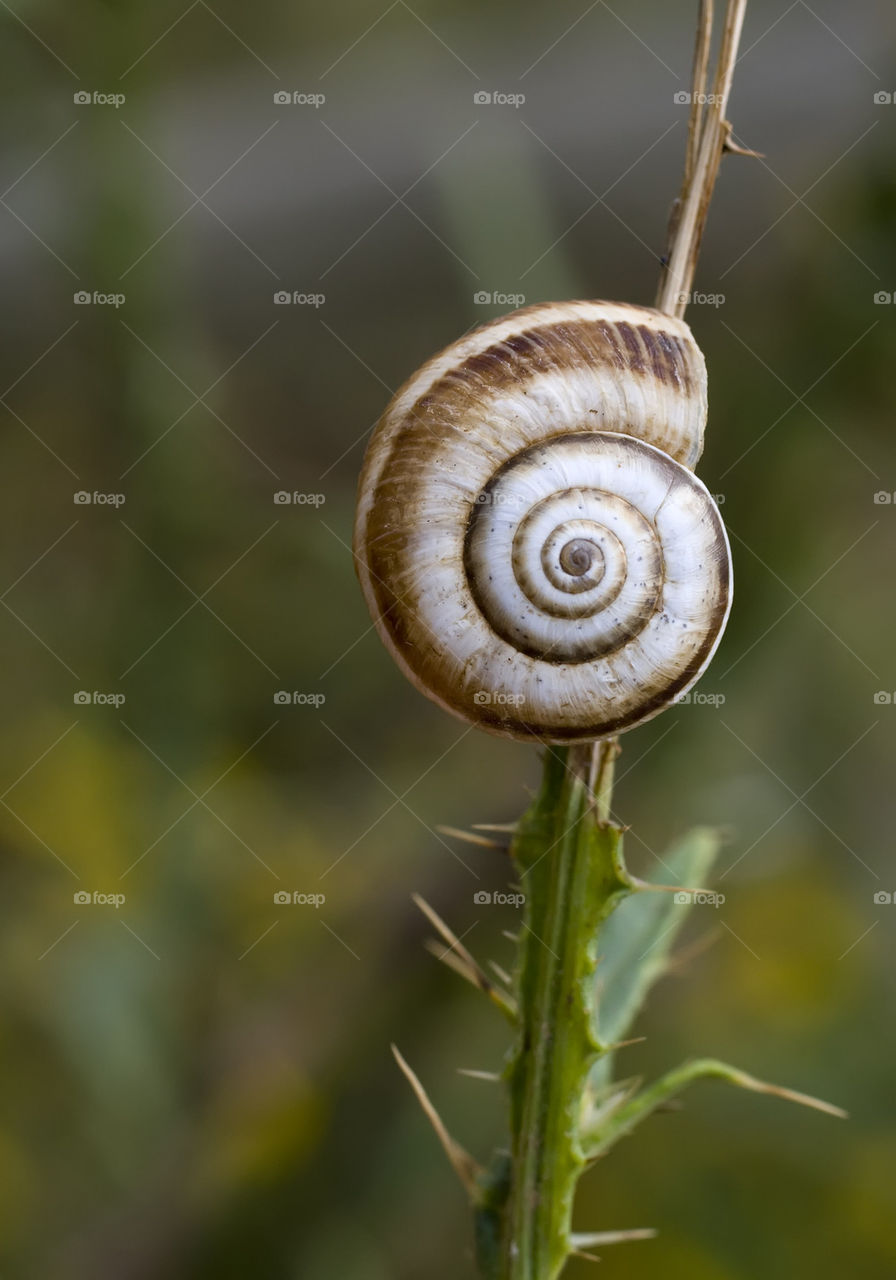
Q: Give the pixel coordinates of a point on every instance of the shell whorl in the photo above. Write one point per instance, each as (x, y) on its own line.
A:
(532, 544)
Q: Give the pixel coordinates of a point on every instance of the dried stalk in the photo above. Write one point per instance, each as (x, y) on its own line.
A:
(708, 133)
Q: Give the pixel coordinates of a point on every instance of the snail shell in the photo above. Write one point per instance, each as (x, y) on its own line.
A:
(534, 549)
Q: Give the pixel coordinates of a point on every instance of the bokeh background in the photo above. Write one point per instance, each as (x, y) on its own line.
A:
(196, 1080)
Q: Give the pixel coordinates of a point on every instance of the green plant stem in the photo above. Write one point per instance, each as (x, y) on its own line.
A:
(568, 857)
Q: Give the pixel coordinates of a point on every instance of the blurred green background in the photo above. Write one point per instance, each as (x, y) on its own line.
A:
(197, 1081)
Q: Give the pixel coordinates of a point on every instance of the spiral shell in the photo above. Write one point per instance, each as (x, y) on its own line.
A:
(533, 546)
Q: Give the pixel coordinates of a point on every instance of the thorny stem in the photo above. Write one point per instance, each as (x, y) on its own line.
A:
(568, 858)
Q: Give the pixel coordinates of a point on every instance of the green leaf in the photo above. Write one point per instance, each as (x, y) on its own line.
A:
(604, 1135)
(636, 939)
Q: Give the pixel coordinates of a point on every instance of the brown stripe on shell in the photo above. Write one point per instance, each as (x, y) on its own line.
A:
(664, 361)
(566, 345)
(635, 354)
